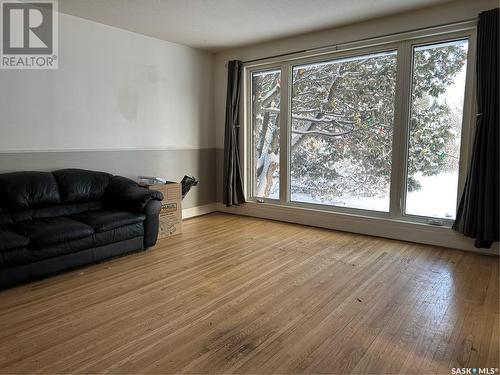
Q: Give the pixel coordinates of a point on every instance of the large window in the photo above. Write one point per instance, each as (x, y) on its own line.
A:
(378, 129)
(266, 133)
(341, 138)
(437, 101)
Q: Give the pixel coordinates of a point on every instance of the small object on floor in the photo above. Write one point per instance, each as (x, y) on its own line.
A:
(187, 183)
(150, 180)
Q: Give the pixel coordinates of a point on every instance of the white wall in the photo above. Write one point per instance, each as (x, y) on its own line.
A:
(114, 89)
(120, 102)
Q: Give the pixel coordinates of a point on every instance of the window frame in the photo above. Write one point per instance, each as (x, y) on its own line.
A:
(403, 45)
(251, 140)
(392, 47)
(467, 121)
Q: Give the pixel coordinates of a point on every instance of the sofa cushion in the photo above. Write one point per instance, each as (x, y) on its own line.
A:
(11, 240)
(22, 190)
(95, 240)
(43, 232)
(78, 185)
(15, 257)
(102, 221)
(5, 218)
(22, 256)
(62, 210)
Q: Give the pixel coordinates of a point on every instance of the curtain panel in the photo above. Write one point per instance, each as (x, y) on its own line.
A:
(233, 182)
(479, 207)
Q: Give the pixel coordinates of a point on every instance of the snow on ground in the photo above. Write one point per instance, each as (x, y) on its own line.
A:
(436, 198)
(366, 203)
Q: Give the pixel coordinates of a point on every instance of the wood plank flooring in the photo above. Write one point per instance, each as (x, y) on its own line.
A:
(250, 296)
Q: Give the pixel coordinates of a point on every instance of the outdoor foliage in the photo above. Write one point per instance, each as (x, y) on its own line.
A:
(342, 124)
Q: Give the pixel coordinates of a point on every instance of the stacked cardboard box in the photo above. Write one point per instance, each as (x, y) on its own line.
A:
(171, 208)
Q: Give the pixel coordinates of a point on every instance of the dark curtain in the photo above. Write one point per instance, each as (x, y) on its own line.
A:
(233, 185)
(478, 212)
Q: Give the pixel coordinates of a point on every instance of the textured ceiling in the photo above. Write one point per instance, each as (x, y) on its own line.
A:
(215, 25)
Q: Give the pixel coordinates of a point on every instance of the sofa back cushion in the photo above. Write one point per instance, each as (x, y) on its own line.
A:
(21, 190)
(78, 185)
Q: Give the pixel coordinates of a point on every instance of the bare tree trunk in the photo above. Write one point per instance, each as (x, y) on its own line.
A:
(269, 178)
(265, 126)
(299, 140)
(274, 144)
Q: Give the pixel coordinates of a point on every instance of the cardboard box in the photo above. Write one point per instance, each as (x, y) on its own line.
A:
(171, 209)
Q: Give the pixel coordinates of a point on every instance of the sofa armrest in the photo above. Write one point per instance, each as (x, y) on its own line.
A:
(152, 222)
(127, 194)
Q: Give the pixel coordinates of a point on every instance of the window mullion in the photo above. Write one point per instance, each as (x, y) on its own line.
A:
(285, 122)
(400, 135)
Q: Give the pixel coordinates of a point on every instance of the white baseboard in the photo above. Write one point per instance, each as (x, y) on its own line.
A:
(198, 210)
(389, 228)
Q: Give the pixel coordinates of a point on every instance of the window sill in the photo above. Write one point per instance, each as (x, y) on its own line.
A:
(398, 229)
(358, 212)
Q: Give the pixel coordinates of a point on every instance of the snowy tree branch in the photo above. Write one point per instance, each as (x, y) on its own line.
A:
(322, 120)
(322, 133)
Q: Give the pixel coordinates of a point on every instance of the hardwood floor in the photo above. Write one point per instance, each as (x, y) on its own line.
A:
(244, 295)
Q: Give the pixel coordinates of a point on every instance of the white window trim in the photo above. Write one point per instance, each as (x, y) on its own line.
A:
(284, 209)
(468, 117)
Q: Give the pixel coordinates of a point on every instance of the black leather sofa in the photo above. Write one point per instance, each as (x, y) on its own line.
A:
(52, 222)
